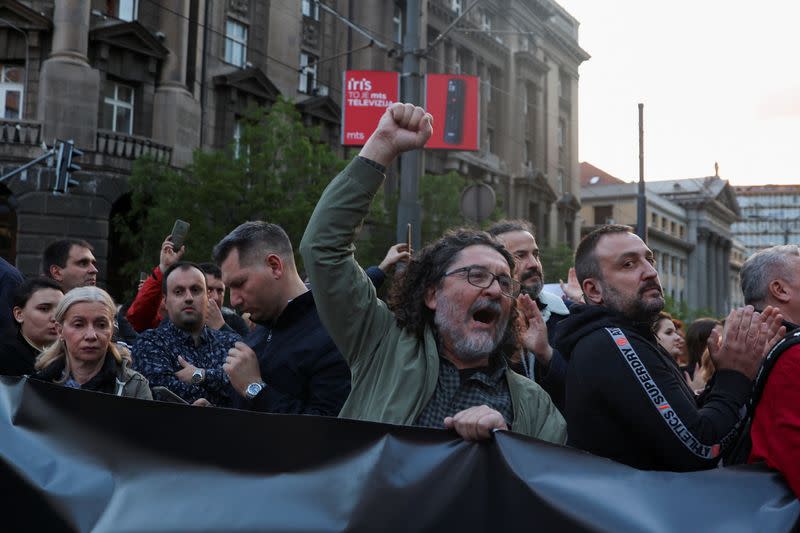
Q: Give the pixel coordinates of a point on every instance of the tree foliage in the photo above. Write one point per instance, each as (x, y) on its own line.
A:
(276, 172)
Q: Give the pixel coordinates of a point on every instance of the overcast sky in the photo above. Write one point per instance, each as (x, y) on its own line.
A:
(720, 81)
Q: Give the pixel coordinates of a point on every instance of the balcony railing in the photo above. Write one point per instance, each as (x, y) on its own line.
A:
(24, 132)
(131, 147)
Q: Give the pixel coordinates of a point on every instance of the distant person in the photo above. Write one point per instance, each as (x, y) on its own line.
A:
(144, 312)
(34, 308)
(84, 357)
(289, 364)
(771, 277)
(539, 360)
(71, 263)
(10, 279)
(219, 316)
(183, 354)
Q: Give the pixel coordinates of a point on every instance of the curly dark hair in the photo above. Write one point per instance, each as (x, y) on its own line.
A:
(427, 268)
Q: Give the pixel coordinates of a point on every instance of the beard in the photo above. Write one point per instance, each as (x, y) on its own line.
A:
(532, 281)
(636, 308)
(468, 345)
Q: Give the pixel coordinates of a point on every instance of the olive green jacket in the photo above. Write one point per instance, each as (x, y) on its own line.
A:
(394, 372)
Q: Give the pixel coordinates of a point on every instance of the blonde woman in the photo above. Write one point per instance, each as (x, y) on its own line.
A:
(84, 357)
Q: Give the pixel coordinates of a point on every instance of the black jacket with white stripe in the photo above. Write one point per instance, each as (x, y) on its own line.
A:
(627, 400)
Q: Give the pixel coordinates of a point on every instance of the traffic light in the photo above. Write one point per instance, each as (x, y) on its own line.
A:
(64, 166)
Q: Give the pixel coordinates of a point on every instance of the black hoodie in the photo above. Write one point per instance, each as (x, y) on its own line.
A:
(627, 400)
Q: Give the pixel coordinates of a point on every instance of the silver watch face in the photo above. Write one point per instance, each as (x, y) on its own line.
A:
(253, 389)
(197, 376)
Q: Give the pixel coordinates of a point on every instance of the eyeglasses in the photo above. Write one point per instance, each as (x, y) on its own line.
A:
(480, 277)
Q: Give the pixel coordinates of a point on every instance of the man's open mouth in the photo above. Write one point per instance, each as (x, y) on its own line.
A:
(487, 313)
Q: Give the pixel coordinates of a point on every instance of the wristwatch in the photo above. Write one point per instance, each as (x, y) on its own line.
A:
(198, 376)
(253, 389)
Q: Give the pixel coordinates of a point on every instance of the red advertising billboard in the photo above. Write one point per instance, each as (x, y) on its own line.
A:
(453, 102)
(366, 95)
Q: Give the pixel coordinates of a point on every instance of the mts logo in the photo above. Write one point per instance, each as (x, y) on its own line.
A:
(359, 85)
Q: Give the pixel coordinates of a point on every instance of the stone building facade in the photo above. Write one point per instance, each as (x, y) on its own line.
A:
(125, 78)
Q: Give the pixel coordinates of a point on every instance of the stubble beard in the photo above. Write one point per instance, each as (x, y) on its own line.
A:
(637, 308)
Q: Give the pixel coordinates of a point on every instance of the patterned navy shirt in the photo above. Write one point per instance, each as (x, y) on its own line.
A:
(457, 390)
(155, 354)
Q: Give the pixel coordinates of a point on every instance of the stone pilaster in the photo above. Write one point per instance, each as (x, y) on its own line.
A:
(69, 89)
(176, 113)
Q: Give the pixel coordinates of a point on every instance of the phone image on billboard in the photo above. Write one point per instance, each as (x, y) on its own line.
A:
(454, 111)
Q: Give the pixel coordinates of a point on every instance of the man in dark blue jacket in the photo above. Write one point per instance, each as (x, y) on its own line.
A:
(289, 364)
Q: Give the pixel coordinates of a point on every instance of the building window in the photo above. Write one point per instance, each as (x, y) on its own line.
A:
(653, 219)
(603, 214)
(11, 91)
(310, 9)
(235, 43)
(486, 21)
(525, 101)
(308, 73)
(457, 6)
(122, 9)
(490, 140)
(397, 24)
(118, 107)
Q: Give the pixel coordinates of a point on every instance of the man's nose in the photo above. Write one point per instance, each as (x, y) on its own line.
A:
(92, 268)
(494, 288)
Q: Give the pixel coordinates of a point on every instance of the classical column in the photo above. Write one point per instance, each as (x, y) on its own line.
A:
(666, 275)
(712, 264)
(69, 90)
(176, 114)
(725, 260)
(700, 260)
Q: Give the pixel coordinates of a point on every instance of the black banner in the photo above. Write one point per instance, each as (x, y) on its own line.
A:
(78, 461)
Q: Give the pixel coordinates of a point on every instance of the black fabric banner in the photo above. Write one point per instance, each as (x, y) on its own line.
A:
(78, 461)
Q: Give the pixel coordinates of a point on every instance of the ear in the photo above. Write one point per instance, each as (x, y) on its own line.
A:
(430, 298)
(18, 315)
(59, 330)
(778, 291)
(55, 273)
(592, 291)
(275, 264)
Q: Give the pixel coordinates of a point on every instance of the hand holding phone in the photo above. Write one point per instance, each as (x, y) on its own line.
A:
(178, 235)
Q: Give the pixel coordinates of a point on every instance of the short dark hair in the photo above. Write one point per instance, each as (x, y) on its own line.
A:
(254, 240)
(23, 293)
(426, 269)
(57, 253)
(210, 269)
(508, 225)
(586, 265)
(180, 265)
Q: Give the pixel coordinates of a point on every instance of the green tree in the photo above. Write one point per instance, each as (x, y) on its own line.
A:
(276, 173)
(556, 262)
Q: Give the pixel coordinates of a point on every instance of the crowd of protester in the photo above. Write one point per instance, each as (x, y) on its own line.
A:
(466, 338)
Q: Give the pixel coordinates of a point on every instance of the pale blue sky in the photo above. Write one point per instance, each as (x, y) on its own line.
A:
(720, 81)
